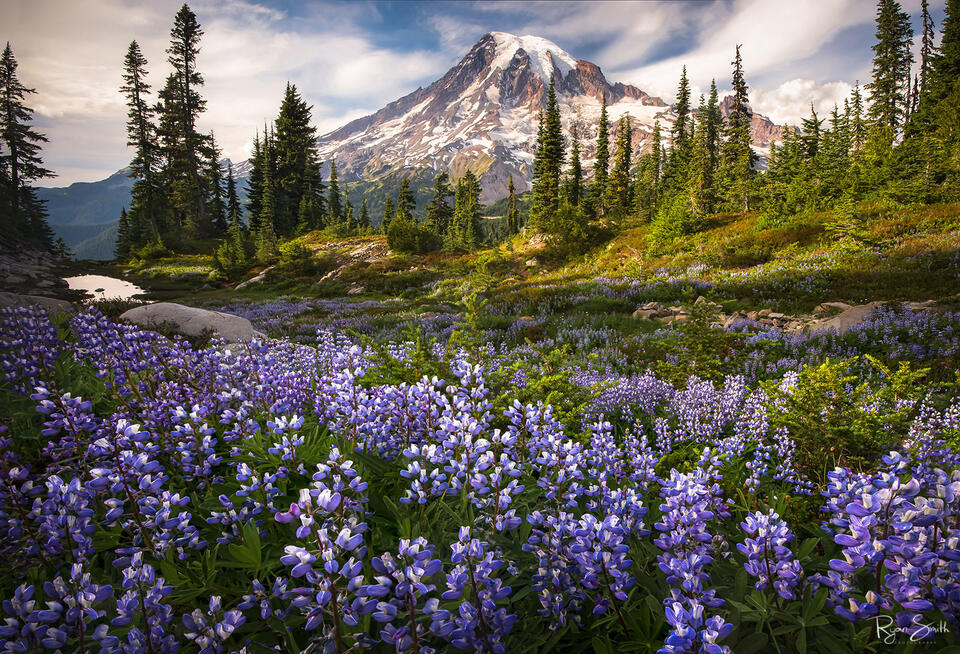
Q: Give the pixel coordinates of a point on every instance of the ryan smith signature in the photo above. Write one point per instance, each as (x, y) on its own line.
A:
(890, 633)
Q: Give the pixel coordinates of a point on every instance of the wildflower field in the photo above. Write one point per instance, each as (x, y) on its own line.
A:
(445, 486)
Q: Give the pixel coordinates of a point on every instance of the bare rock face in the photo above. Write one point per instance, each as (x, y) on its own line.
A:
(191, 321)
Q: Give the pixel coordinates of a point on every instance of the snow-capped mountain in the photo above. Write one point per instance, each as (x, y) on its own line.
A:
(482, 115)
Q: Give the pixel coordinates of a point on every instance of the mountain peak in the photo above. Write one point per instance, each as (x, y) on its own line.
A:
(482, 116)
(545, 55)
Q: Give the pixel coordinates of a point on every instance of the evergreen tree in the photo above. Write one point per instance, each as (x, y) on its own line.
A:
(363, 222)
(266, 224)
(24, 215)
(513, 216)
(700, 182)
(389, 211)
(348, 219)
(439, 211)
(945, 64)
(858, 125)
(213, 182)
(601, 165)
(464, 232)
(334, 203)
(234, 210)
(298, 163)
(618, 198)
(927, 48)
(186, 148)
(573, 192)
(123, 246)
(546, 187)
(738, 156)
(649, 170)
(682, 128)
(810, 133)
(890, 87)
(255, 184)
(146, 194)
(406, 203)
(713, 126)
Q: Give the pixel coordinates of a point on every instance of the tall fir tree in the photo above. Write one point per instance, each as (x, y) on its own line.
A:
(255, 183)
(682, 128)
(738, 157)
(700, 180)
(439, 211)
(945, 63)
(513, 216)
(363, 222)
(573, 192)
(928, 47)
(858, 124)
(298, 163)
(213, 182)
(464, 232)
(146, 196)
(618, 198)
(234, 210)
(546, 187)
(335, 213)
(601, 165)
(406, 203)
(389, 212)
(124, 242)
(713, 126)
(186, 148)
(892, 58)
(23, 214)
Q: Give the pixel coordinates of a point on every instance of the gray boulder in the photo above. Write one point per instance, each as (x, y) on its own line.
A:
(191, 321)
(48, 303)
(849, 317)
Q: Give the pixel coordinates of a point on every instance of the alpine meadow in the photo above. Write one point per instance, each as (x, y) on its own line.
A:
(396, 327)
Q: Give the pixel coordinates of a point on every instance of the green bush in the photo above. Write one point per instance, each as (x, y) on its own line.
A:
(409, 236)
(836, 423)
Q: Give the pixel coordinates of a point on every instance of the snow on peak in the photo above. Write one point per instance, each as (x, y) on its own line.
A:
(543, 53)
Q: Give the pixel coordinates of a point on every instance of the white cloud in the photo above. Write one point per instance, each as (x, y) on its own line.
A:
(72, 53)
(789, 103)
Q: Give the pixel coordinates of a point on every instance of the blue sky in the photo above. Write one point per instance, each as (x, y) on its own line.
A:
(351, 58)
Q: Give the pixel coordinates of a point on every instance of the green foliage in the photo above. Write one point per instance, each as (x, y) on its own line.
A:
(406, 235)
(675, 219)
(835, 419)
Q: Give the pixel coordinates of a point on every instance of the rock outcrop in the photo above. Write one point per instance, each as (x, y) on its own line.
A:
(191, 321)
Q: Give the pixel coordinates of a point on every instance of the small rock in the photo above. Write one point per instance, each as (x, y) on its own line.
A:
(531, 262)
(355, 290)
(776, 316)
(763, 313)
(644, 314)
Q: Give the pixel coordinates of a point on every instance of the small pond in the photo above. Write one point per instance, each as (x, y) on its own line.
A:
(102, 287)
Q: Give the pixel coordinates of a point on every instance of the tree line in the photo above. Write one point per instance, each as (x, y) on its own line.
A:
(896, 138)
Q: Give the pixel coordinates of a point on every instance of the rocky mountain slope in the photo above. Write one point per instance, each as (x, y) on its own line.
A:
(482, 115)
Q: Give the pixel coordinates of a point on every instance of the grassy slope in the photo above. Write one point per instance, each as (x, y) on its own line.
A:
(910, 253)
